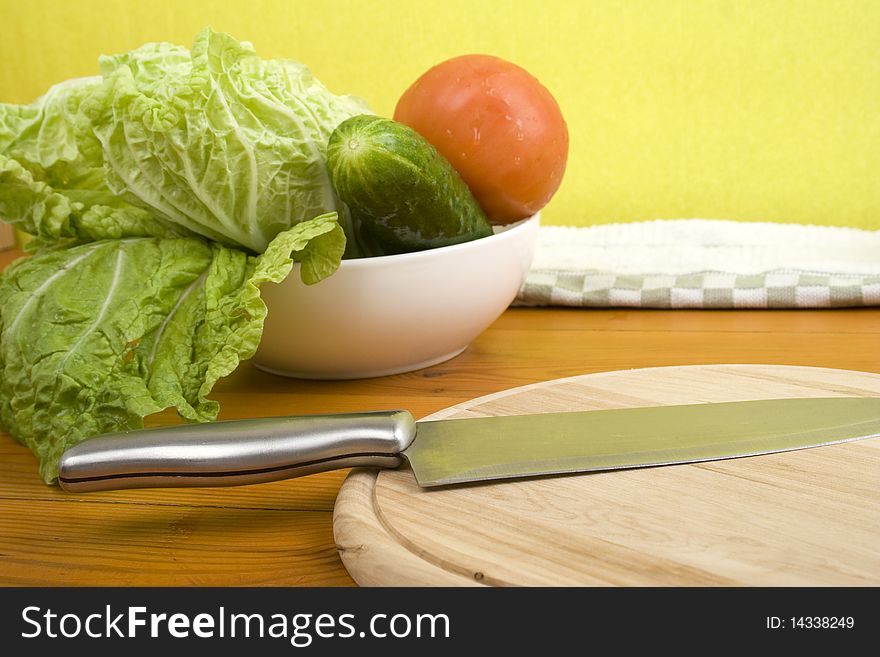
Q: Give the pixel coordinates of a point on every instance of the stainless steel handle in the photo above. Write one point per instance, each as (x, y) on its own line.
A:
(237, 452)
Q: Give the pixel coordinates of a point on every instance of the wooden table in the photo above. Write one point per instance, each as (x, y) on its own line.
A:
(281, 533)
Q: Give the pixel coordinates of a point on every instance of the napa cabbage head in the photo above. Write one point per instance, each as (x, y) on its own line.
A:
(161, 195)
(215, 140)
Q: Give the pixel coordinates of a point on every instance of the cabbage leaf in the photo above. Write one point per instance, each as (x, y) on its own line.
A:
(52, 181)
(96, 336)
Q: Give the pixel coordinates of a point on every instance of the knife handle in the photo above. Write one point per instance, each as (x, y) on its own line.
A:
(236, 452)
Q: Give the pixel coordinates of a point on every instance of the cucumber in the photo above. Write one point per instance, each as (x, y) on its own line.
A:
(401, 192)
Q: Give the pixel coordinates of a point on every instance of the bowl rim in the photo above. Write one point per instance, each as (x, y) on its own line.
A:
(501, 231)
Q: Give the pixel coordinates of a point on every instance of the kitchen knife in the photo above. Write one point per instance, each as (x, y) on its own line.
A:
(462, 450)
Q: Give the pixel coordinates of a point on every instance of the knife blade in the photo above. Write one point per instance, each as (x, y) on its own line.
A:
(442, 452)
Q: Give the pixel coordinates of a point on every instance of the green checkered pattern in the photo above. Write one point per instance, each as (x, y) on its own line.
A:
(711, 289)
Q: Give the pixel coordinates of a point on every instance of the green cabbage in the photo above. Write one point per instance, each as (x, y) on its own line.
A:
(52, 182)
(149, 191)
(217, 140)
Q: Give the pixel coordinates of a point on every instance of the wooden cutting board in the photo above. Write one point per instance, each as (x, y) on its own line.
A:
(808, 517)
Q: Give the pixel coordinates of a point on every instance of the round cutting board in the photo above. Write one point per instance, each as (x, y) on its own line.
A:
(808, 517)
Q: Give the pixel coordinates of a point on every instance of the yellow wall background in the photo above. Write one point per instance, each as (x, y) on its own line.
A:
(750, 109)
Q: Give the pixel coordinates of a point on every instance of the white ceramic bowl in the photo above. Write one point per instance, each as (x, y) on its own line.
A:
(392, 314)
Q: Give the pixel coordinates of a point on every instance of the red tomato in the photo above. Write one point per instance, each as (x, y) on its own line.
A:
(497, 125)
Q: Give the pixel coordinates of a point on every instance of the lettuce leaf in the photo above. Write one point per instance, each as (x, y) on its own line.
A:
(96, 336)
(216, 140)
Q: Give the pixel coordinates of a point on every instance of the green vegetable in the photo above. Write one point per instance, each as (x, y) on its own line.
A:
(214, 141)
(52, 174)
(404, 195)
(217, 140)
(148, 190)
(97, 336)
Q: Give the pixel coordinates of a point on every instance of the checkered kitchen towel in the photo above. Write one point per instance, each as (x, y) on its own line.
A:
(700, 263)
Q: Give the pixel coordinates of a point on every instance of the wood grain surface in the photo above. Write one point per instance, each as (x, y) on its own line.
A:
(806, 517)
(281, 533)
